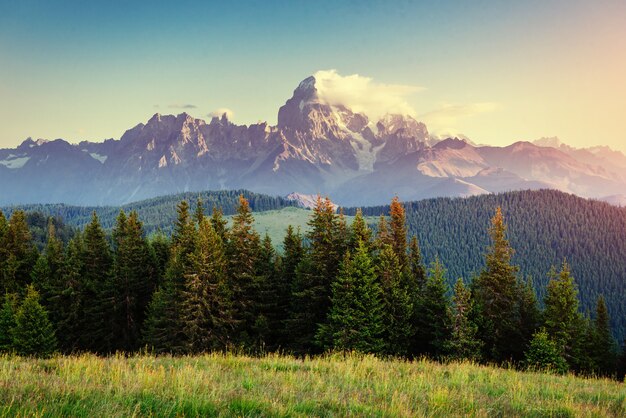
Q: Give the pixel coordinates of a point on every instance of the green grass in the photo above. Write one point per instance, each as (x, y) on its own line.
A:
(231, 385)
(275, 222)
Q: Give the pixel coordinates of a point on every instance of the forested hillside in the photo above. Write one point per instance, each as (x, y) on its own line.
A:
(157, 213)
(215, 286)
(545, 227)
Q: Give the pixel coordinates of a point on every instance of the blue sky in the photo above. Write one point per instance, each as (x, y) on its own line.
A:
(495, 71)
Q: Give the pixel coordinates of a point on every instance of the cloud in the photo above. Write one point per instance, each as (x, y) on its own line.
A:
(446, 117)
(217, 113)
(362, 94)
(182, 106)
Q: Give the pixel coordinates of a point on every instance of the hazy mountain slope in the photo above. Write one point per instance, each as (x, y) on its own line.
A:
(318, 146)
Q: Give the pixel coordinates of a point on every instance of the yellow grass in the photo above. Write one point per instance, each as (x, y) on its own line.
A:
(235, 385)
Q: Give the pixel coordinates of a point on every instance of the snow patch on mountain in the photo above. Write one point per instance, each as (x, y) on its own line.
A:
(13, 161)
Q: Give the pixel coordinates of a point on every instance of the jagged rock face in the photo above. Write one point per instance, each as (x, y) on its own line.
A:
(317, 147)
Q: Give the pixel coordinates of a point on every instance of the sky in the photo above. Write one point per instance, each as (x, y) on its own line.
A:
(495, 71)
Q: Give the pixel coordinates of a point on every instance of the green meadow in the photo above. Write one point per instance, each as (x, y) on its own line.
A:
(283, 386)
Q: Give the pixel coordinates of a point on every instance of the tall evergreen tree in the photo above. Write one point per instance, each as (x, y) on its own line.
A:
(160, 249)
(68, 298)
(219, 223)
(243, 256)
(163, 328)
(133, 281)
(355, 320)
(97, 289)
(398, 230)
(312, 288)
(359, 231)
(33, 334)
(19, 254)
(383, 236)
(464, 343)
(273, 296)
(293, 253)
(8, 311)
(416, 268)
(206, 308)
(530, 314)
(496, 296)
(397, 303)
(433, 321)
(199, 213)
(604, 346)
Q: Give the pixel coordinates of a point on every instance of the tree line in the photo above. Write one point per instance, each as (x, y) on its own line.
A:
(336, 287)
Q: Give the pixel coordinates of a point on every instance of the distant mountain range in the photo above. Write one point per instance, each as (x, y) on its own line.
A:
(316, 147)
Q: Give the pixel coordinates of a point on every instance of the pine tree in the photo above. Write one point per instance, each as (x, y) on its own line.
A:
(7, 321)
(163, 328)
(206, 308)
(312, 288)
(199, 213)
(19, 254)
(543, 354)
(272, 293)
(416, 268)
(561, 317)
(98, 299)
(219, 223)
(160, 250)
(397, 303)
(67, 298)
(530, 315)
(133, 281)
(604, 346)
(33, 334)
(383, 236)
(293, 253)
(398, 230)
(359, 231)
(243, 255)
(355, 320)
(464, 343)
(496, 296)
(433, 321)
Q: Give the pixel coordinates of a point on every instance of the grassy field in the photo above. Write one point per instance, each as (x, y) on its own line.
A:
(230, 385)
(274, 222)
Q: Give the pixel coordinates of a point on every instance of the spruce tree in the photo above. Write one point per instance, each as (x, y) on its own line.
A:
(383, 236)
(67, 298)
(496, 294)
(19, 254)
(398, 230)
(416, 268)
(243, 255)
(604, 346)
(163, 328)
(273, 306)
(160, 250)
(562, 320)
(219, 223)
(98, 298)
(397, 303)
(464, 343)
(206, 307)
(355, 320)
(544, 354)
(33, 334)
(293, 253)
(530, 314)
(133, 281)
(433, 321)
(312, 288)
(8, 312)
(359, 231)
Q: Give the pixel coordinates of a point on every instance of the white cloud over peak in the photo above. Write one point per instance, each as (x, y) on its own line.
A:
(362, 94)
(218, 113)
(446, 117)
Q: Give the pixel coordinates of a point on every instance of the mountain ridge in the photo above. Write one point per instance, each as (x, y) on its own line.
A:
(316, 147)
